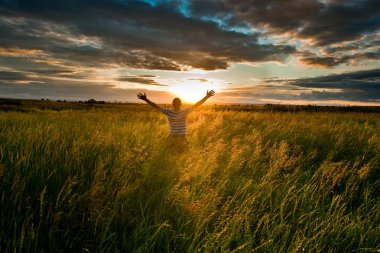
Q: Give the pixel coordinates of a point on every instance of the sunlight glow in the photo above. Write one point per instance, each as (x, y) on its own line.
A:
(192, 90)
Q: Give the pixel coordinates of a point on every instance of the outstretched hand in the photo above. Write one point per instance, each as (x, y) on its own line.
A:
(151, 103)
(210, 93)
(200, 102)
(141, 96)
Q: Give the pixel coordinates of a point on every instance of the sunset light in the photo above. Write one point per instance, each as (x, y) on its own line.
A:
(191, 91)
(291, 51)
(190, 126)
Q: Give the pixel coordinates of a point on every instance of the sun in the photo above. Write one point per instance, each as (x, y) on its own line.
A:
(191, 91)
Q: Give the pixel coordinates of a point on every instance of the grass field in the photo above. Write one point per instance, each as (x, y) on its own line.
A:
(102, 180)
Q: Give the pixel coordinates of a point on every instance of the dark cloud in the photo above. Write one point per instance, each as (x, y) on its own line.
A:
(323, 61)
(202, 80)
(349, 53)
(63, 43)
(363, 86)
(218, 12)
(332, 61)
(361, 81)
(129, 33)
(325, 22)
(342, 21)
(29, 67)
(342, 95)
(147, 76)
(174, 35)
(12, 76)
(76, 91)
(328, 25)
(141, 79)
(360, 86)
(50, 71)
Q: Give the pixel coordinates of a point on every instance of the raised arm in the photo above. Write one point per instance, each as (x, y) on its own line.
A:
(200, 102)
(143, 97)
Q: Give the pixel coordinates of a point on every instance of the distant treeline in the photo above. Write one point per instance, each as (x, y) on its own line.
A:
(298, 108)
(7, 104)
(25, 105)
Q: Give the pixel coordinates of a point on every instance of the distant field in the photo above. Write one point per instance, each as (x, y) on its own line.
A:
(27, 105)
(98, 178)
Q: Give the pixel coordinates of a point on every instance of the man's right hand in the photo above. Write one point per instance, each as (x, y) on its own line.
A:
(142, 96)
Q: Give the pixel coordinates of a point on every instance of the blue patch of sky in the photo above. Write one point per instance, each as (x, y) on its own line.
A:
(265, 40)
(89, 45)
(222, 24)
(184, 8)
(153, 3)
(239, 29)
(297, 44)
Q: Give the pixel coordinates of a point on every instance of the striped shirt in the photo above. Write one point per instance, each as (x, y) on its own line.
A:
(177, 120)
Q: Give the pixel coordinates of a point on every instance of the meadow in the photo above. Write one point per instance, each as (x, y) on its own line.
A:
(103, 180)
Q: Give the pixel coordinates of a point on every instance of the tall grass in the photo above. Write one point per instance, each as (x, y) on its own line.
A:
(104, 181)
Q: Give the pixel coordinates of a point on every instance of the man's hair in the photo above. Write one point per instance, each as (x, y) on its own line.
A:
(176, 102)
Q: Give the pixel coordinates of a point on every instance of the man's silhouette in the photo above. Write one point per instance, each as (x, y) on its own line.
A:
(177, 118)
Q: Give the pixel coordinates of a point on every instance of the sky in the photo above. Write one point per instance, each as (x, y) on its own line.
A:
(324, 52)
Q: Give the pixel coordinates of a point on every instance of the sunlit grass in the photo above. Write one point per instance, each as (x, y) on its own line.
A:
(103, 181)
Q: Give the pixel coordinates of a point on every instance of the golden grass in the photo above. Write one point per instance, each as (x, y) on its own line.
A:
(103, 181)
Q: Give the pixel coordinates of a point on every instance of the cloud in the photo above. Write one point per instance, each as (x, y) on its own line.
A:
(147, 76)
(34, 68)
(325, 22)
(69, 43)
(141, 79)
(340, 27)
(50, 71)
(323, 61)
(70, 90)
(363, 86)
(367, 81)
(349, 53)
(129, 33)
(202, 80)
(12, 76)
(177, 35)
(358, 87)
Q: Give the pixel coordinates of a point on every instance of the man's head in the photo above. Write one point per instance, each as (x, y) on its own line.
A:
(176, 103)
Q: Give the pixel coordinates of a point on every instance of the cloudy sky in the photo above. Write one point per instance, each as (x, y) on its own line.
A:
(249, 51)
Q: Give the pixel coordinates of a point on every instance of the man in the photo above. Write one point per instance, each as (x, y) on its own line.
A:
(177, 118)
